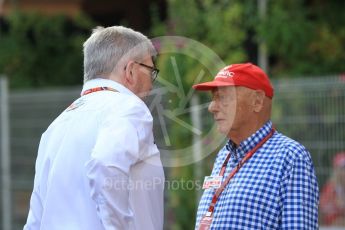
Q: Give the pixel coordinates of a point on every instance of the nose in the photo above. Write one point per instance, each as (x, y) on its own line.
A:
(213, 107)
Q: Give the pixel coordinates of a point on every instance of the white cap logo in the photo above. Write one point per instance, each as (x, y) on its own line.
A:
(225, 73)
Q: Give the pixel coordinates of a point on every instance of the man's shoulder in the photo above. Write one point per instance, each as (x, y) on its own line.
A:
(291, 149)
(128, 107)
(125, 100)
(287, 142)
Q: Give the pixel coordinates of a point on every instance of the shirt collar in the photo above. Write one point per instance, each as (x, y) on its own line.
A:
(100, 82)
(249, 143)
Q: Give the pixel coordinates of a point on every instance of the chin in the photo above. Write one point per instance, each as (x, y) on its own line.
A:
(223, 130)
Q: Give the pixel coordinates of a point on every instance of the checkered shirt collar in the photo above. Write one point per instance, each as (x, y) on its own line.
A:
(249, 143)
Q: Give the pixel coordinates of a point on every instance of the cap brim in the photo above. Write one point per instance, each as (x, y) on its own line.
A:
(211, 85)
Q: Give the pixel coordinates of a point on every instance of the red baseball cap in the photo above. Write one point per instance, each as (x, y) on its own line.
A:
(245, 74)
(339, 160)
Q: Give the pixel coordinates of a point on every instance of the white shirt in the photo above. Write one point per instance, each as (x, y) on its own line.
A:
(98, 167)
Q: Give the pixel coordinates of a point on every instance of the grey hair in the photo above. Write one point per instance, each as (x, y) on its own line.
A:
(107, 48)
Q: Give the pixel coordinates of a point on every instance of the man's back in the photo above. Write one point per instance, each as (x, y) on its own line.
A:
(100, 131)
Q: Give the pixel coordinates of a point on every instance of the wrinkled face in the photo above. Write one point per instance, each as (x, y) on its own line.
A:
(231, 108)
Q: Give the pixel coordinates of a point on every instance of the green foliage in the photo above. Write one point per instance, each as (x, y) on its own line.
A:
(43, 51)
(305, 38)
(216, 25)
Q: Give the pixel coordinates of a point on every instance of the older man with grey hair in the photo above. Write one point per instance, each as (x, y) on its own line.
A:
(97, 165)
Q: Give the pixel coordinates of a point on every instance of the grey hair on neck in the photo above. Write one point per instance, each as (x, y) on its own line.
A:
(107, 49)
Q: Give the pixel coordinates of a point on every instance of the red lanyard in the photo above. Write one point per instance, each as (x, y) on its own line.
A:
(234, 171)
(222, 170)
(76, 104)
(97, 89)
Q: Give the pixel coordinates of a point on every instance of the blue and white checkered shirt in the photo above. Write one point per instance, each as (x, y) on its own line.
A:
(275, 189)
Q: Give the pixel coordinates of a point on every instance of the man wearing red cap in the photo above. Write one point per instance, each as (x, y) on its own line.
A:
(261, 179)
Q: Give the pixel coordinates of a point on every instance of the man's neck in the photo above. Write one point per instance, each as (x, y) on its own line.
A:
(241, 134)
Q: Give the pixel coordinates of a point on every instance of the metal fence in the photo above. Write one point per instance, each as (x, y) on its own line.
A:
(310, 110)
(30, 112)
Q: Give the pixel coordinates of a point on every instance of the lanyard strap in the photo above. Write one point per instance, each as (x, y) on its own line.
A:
(93, 90)
(225, 163)
(234, 171)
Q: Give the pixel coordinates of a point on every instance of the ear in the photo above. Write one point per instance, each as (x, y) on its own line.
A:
(128, 77)
(258, 100)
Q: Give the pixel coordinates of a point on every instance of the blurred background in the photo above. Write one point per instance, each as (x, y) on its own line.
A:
(300, 43)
